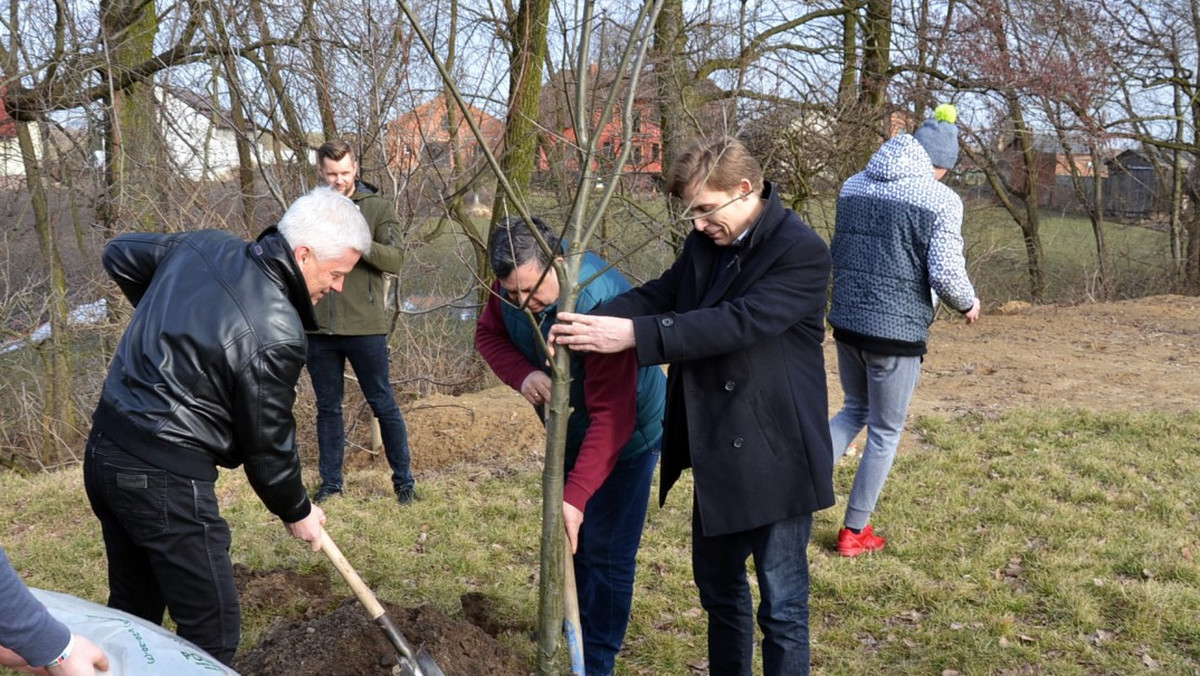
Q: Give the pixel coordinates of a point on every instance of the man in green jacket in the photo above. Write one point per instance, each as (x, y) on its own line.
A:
(354, 327)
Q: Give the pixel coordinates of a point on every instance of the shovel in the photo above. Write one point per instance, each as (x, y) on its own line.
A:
(412, 663)
(572, 627)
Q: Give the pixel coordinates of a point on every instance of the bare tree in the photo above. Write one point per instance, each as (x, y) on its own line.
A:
(1161, 89)
(586, 215)
(998, 56)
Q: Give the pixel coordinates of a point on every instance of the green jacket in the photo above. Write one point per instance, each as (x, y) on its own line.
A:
(361, 308)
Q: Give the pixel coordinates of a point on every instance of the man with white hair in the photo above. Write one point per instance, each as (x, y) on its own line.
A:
(205, 377)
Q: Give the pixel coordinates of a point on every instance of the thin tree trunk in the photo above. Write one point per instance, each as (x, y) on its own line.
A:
(293, 132)
(528, 30)
(58, 411)
(673, 79)
(1096, 212)
(241, 127)
(133, 166)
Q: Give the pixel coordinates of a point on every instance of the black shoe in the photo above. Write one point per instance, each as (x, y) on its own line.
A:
(406, 494)
(324, 493)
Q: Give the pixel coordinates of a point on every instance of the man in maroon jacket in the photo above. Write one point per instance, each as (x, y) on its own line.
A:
(613, 433)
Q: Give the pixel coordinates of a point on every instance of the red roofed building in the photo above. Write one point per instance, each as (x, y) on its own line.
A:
(422, 137)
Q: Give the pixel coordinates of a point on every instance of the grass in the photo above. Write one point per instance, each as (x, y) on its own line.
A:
(1052, 542)
(1139, 258)
(996, 259)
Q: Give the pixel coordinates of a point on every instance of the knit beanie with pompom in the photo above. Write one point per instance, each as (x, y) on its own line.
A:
(939, 136)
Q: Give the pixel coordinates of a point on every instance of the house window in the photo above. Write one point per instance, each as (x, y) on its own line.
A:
(655, 152)
(638, 155)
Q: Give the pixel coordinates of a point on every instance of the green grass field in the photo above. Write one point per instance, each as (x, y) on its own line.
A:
(1053, 542)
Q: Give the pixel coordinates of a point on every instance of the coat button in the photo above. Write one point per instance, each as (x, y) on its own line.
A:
(667, 321)
(729, 385)
(737, 443)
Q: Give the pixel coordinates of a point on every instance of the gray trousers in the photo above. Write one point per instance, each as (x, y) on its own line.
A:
(878, 389)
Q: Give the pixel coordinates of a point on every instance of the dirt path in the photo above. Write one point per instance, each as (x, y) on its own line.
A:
(1139, 355)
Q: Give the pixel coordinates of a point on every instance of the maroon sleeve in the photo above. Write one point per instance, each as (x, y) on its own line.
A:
(610, 391)
(493, 342)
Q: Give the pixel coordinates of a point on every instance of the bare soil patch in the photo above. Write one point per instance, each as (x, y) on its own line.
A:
(319, 634)
(1137, 355)
(346, 642)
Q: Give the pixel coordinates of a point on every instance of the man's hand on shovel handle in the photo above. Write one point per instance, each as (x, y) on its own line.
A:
(572, 519)
(309, 528)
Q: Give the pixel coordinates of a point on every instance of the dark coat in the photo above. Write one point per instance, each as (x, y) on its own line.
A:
(746, 397)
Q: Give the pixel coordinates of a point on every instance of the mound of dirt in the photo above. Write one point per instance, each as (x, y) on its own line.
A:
(319, 634)
(445, 431)
(308, 594)
(346, 642)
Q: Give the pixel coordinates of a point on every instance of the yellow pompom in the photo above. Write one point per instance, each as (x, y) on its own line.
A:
(946, 113)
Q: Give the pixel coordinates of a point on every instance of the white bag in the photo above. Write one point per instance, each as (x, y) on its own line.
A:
(134, 646)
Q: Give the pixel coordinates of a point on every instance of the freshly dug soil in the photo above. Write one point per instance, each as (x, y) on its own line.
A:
(346, 642)
(319, 634)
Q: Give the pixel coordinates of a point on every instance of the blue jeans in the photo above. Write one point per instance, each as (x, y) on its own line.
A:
(878, 389)
(606, 560)
(368, 356)
(167, 547)
(781, 562)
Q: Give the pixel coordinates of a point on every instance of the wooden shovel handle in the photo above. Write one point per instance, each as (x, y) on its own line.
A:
(412, 662)
(360, 588)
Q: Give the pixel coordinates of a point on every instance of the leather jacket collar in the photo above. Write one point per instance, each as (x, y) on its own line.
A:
(272, 252)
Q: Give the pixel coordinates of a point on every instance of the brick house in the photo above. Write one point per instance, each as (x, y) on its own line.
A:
(421, 137)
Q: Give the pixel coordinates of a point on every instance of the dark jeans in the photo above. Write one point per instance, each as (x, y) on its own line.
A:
(606, 560)
(368, 357)
(781, 561)
(167, 547)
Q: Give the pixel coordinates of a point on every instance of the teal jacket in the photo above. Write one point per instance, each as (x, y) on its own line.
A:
(652, 383)
(625, 419)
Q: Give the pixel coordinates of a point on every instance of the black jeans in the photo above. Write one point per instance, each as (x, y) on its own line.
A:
(167, 547)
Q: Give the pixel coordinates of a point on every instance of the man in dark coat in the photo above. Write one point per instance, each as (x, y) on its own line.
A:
(205, 377)
(740, 318)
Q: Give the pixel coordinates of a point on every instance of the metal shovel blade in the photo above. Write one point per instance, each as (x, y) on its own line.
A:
(416, 663)
(412, 663)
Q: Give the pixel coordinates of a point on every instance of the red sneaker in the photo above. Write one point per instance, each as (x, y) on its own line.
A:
(852, 544)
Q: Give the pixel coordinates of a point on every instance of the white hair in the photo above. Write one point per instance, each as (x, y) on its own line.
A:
(327, 222)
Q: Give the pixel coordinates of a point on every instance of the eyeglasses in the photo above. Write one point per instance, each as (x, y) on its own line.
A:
(695, 213)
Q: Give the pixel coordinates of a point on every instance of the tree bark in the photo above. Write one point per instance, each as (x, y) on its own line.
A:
(527, 31)
(134, 150)
(58, 410)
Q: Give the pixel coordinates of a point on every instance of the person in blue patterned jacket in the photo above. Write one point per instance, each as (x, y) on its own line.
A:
(898, 234)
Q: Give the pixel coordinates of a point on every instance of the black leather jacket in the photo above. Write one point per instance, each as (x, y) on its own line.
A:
(206, 372)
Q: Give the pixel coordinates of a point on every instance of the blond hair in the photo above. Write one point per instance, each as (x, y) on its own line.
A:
(719, 163)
